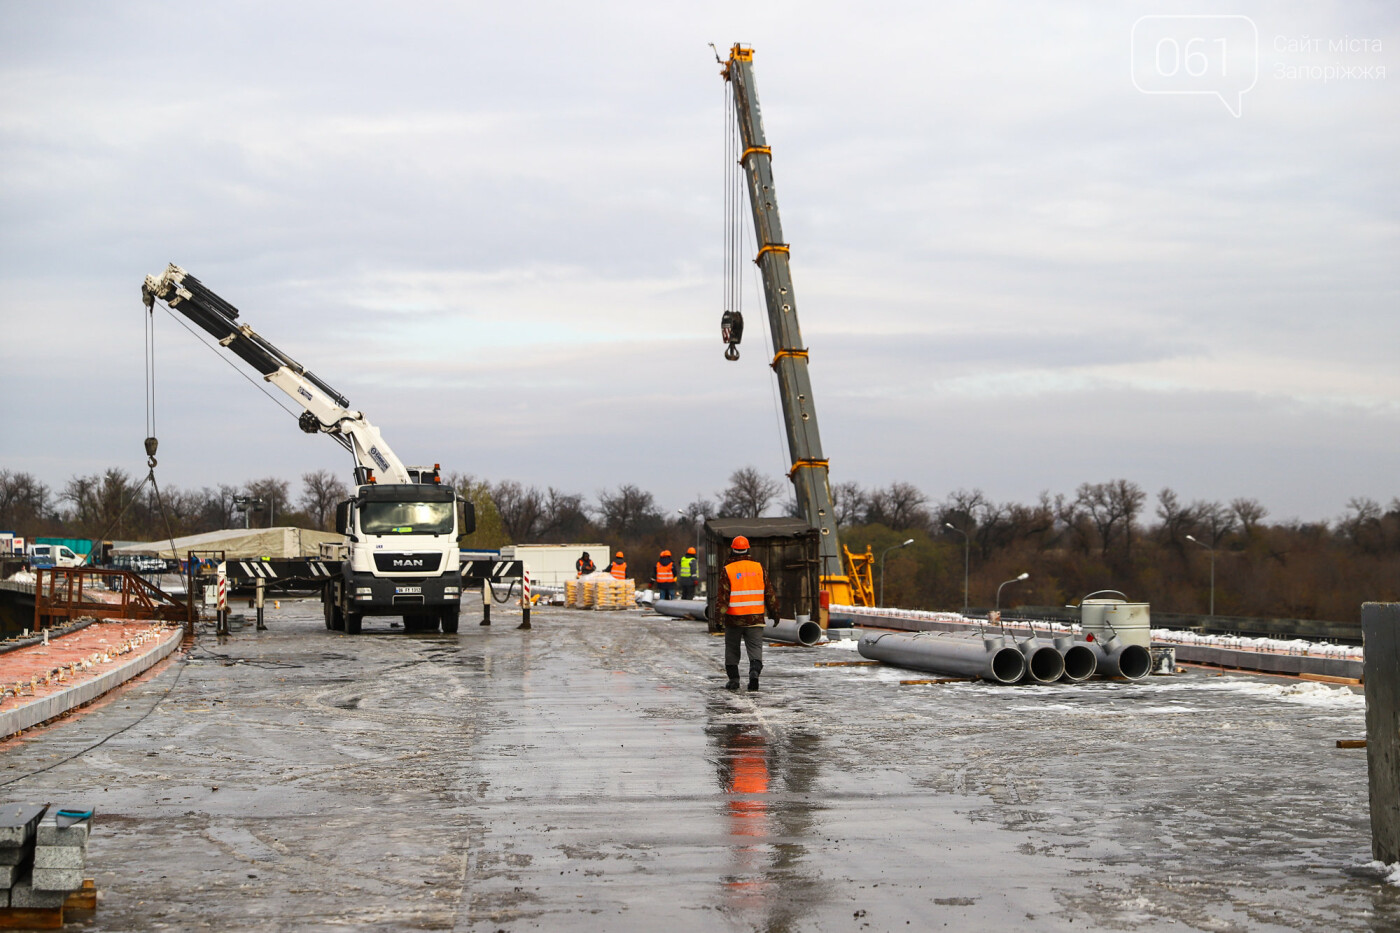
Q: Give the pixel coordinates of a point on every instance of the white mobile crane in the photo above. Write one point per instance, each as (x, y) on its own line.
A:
(401, 525)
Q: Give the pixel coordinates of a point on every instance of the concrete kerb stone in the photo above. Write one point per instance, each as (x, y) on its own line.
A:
(51, 835)
(24, 894)
(63, 881)
(1380, 627)
(59, 857)
(46, 708)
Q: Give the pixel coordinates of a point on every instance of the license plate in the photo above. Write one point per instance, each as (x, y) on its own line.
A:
(408, 589)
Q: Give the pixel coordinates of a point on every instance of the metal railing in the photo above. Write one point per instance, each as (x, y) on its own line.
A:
(89, 592)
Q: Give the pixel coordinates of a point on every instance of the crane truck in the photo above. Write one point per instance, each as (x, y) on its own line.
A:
(401, 525)
(845, 576)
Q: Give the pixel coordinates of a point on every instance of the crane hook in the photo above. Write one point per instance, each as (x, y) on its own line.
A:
(151, 444)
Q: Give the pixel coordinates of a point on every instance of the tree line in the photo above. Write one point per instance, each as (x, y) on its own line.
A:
(1102, 536)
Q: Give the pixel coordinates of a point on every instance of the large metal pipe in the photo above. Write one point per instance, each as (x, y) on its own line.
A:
(805, 632)
(681, 608)
(1080, 660)
(1116, 659)
(989, 658)
(1044, 665)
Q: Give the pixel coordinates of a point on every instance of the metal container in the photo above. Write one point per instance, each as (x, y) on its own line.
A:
(1104, 618)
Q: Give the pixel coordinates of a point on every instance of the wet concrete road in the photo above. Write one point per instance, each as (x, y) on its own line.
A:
(592, 775)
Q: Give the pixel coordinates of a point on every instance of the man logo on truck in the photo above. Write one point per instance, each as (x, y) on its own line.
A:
(410, 562)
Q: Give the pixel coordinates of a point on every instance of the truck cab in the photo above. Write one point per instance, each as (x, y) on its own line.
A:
(403, 558)
(53, 555)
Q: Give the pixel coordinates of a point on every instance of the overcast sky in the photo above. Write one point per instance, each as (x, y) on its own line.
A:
(497, 229)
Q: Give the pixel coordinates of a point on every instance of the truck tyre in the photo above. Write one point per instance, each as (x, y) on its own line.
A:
(352, 623)
(449, 620)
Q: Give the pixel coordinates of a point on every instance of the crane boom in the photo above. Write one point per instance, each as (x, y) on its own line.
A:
(809, 472)
(324, 409)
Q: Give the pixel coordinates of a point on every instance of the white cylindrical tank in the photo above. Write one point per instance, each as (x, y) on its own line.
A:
(1131, 622)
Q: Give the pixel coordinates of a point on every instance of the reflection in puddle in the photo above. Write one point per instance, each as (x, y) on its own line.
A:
(764, 778)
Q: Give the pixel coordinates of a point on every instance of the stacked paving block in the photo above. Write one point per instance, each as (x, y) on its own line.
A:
(18, 825)
(50, 864)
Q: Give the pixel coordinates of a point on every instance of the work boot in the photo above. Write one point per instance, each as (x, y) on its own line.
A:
(733, 671)
(753, 682)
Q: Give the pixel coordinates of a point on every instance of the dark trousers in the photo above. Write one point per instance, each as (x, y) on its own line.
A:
(667, 590)
(687, 588)
(752, 638)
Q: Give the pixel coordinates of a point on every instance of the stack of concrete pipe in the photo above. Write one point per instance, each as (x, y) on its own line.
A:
(800, 631)
(1000, 659)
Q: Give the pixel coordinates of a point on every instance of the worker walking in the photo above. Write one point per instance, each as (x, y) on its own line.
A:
(618, 568)
(743, 597)
(689, 574)
(584, 565)
(665, 578)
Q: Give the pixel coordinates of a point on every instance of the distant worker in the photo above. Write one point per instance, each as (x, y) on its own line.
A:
(619, 567)
(665, 578)
(689, 574)
(584, 565)
(743, 597)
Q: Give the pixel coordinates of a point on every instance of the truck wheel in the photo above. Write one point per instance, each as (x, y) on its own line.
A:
(449, 620)
(328, 610)
(352, 623)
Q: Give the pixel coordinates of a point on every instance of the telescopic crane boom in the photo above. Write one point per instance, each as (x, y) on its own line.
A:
(809, 473)
(324, 409)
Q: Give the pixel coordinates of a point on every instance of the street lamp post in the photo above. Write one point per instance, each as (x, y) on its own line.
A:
(967, 552)
(1212, 570)
(1024, 576)
(894, 547)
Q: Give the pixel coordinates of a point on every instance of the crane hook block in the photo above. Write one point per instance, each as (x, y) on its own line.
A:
(151, 445)
(731, 328)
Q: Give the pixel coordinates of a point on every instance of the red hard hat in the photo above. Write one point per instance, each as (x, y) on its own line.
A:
(619, 553)
(665, 553)
(740, 543)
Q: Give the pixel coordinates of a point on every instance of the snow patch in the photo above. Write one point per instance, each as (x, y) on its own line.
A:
(1306, 693)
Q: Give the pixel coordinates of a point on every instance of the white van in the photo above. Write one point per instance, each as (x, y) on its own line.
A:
(53, 555)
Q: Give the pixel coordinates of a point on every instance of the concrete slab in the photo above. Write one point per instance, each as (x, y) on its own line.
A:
(592, 774)
(17, 822)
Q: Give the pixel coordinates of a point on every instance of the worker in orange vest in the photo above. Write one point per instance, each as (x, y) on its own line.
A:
(584, 565)
(744, 597)
(665, 578)
(619, 567)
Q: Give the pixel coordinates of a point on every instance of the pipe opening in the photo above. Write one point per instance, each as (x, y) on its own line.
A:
(1135, 662)
(1080, 663)
(1008, 666)
(809, 633)
(1046, 665)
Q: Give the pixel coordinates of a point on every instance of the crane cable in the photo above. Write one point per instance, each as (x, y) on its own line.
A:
(151, 442)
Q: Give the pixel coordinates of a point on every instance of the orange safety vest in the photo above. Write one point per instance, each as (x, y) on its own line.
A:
(619, 569)
(745, 588)
(665, 573)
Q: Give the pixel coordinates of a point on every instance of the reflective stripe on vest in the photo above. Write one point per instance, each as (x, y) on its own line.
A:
(745, 588)
(619, 569)
(665, 573)
(687, 567)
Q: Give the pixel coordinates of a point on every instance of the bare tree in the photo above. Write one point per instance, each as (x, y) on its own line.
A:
(1250, 513)
(848, 504)
(563, 518)
(749, 494)
(274, 496)
(321, 492)
(628, 511)
(898, 506)
(1213, 520)
(521, 508)
(217, 507)
(23, 500)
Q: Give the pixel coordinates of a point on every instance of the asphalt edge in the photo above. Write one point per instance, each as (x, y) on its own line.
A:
(46, 708)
